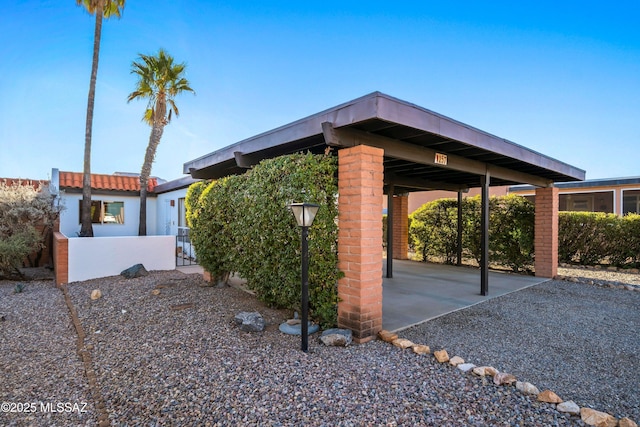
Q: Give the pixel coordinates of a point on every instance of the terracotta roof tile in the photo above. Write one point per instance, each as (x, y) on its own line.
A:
(105, 182)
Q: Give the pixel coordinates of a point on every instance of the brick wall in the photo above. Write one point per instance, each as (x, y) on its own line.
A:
(546, 232)
(61, 258)
(360, 182)
(401, 227)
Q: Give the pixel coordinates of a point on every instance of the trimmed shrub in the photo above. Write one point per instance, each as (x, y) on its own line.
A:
(433, 230)
(631, 236)
(590, 238)
(511, 234)
(241, 224)
(587, 238)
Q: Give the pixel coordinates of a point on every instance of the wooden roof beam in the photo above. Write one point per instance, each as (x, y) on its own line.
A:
(414, 153)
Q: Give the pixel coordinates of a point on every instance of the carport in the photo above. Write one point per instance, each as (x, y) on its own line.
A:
(388, 146)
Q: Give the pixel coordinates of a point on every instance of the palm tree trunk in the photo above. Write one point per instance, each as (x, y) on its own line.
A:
(86, 230)
(154, 140)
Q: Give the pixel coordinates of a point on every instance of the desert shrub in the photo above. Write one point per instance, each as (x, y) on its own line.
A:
(587, 238)
(631, 238)
(27, 217)
(434, 230)
(511, 234)
(590, 238)
(242, 224)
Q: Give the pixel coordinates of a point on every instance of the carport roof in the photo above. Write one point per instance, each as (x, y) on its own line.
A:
(414, 140)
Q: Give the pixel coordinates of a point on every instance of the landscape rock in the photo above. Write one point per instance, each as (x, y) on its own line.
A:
(96, 294)
(549, 397)
(466, 367)
(479, 370)
(293, 322)
(527, 388)
(456, 360)
(421, 349)
(570, 407)
(336, 337)
(502, 378)
(155, 292)
(485, 370)
(441, 356)
(134, 271)
(402, 343)
(250, 322)
(627, 422)
(387, 336)
(596, 418)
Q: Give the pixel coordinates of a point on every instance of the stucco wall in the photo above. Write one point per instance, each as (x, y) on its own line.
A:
(167, 220)
(90, 258)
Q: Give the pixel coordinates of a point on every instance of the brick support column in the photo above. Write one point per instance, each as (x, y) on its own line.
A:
(61, 258)
(546, 232)
(360, 182)
(401, 227)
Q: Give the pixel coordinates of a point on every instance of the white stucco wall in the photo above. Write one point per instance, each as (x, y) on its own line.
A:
(70, 217)
(91, 258)
(167, 217)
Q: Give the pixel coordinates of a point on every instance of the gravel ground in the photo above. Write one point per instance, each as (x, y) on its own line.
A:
(38, 360)
(159, 361)
(578, 340)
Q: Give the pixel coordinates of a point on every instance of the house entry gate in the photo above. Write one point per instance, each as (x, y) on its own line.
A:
(185, 254)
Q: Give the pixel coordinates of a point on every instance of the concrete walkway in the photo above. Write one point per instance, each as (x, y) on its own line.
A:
(422, 291)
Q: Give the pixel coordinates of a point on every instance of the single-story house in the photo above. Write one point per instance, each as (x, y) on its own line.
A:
(610, 195)
(116, 204)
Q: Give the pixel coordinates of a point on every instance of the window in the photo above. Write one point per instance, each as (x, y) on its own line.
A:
(104, 212)
(630, 202)
(587, 202)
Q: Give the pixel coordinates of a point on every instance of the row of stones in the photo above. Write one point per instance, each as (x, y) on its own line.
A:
(589, 416)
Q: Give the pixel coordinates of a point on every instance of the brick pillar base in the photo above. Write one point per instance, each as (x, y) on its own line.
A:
(360, 181)
(546, 232)
(61, 258)
(401, 227)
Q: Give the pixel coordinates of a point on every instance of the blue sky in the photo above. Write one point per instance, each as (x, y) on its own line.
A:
(559, 77)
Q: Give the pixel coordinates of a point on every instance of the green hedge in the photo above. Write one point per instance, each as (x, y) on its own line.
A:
(241, 224)
(433, 231)
(586, 238)
(590, 238)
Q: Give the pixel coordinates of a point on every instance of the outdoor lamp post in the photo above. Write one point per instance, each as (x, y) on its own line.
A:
(305, 214)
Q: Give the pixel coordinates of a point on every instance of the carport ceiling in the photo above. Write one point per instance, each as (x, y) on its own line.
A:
(410, 135)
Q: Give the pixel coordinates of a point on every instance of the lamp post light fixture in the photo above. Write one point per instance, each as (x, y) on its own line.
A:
(305, 213)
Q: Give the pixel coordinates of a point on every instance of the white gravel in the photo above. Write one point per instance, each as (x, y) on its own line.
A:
(192, 366)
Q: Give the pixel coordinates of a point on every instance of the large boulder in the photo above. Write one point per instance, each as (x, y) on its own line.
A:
(250, 322)
(134, 271)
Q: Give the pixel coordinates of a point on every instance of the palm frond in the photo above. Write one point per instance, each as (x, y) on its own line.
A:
(160, 80)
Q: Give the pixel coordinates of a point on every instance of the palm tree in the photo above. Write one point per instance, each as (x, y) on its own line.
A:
(106, 9)
(160, 80)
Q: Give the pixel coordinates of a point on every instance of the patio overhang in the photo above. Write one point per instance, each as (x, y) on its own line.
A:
(421, 147)
(390, 146)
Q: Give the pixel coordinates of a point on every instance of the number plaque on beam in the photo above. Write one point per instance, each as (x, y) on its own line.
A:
(441, 159)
